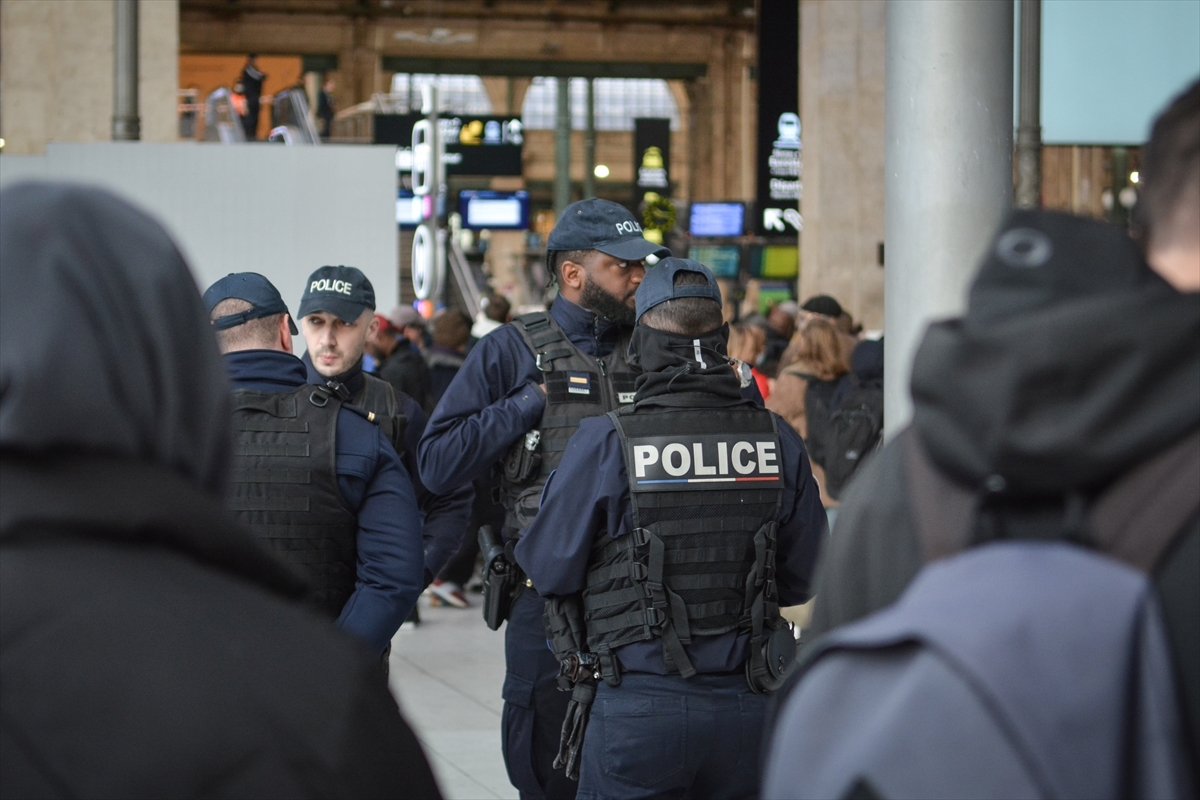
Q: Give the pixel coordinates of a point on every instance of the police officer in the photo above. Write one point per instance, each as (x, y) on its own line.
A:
(337, 317)
(685, 520)
(313, 479)
(515, 402)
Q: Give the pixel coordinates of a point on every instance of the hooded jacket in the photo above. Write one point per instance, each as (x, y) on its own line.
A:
(149, 647)
(1073, 364)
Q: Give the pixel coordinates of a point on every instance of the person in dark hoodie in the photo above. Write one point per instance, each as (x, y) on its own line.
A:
(673, 632)
(148, 646)
(352, 525)
(1074, 364)
(337, 317)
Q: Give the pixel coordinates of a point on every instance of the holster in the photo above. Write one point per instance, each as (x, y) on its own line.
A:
(771, 659)
(523, 460)
(502, 581)
(772, 643)
(578, 671)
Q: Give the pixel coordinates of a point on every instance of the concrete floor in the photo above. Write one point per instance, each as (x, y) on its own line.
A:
(446, 675)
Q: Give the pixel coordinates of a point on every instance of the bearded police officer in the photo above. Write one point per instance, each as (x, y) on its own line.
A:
(514, 404)
(676, 527)
(337, 317)
(313, 479)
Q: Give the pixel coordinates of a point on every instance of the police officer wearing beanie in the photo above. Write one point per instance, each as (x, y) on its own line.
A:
(513, 405)
(337, 316)
(678, 526)
(313, 479)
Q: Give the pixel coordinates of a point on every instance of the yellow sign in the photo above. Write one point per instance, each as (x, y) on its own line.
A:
(652, 158)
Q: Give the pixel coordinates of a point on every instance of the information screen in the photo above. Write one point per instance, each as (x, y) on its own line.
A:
(724, 260)
(497, 210)
(408, 209)
(717, 219)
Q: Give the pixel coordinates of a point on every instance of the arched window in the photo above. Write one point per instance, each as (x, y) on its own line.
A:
(618, 101)
(457, 94)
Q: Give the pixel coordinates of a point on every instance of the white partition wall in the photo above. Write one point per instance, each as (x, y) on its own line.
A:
(281, 211)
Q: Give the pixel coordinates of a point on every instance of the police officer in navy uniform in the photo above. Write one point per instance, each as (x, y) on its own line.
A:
(680, 524)
(314, 479)
(337, 316)
(513, 405)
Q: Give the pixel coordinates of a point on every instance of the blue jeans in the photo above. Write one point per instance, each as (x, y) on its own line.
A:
(663, 736)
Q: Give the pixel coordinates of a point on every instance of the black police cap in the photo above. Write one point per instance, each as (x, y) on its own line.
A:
(603, 225)
(342, 291)
(260, 293)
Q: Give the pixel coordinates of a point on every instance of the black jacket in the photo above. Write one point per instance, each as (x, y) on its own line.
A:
(405, 369)
(1062, 376)
(148, 647)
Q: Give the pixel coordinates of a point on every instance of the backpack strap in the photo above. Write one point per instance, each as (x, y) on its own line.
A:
(1134, 520)
(942, 508)
(1139, 515)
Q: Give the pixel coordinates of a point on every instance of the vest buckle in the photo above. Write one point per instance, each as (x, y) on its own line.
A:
(655, 617)
(641, 537)
(638, 571)
(545, 367)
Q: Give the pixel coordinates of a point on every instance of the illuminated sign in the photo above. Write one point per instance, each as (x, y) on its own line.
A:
(474, 145)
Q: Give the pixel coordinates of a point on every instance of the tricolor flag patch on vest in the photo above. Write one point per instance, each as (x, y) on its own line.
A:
(705, 461)
(579, 383)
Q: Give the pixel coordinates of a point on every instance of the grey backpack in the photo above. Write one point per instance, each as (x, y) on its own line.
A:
(1018, 668)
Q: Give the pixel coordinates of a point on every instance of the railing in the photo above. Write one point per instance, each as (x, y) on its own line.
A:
(461, 272)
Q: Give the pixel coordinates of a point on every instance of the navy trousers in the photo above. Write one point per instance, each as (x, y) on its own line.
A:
(534, 709)
(663, 736)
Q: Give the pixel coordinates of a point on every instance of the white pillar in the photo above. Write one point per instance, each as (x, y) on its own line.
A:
(949, 165)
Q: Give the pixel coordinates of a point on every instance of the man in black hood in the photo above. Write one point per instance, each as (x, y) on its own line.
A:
(148, 646)
(1074, 364)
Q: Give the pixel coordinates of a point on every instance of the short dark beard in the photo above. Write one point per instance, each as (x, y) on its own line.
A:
(603, 304)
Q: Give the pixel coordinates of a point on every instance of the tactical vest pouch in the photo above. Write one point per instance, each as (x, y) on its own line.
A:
(501, 579)
(523, 460)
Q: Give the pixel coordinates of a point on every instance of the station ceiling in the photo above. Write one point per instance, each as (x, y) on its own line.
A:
(734, 14)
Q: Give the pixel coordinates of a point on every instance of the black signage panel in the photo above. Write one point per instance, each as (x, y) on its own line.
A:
(474, 145)
(779, 163)
(651, 157)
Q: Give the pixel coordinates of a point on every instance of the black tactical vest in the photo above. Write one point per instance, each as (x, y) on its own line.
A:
(577, 387)
(378, 398)
(705, 490)
(285, 486)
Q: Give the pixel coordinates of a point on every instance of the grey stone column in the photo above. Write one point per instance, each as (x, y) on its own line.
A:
(948, 162)
(562, 148)
(126, 124)
(1029, 108)
(589, 142)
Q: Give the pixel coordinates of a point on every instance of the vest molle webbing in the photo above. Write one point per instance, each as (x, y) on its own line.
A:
(701, 558)
(285, 486)
(577, 387)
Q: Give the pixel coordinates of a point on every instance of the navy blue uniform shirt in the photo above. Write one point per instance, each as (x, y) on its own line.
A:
(444, 516)
(376, 487)
(495, 398)
(588, 496)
